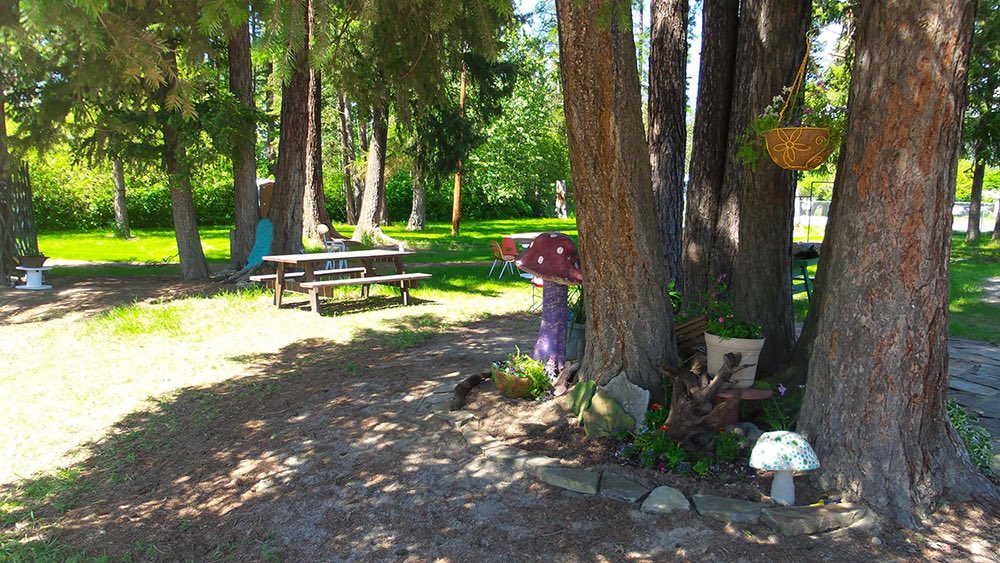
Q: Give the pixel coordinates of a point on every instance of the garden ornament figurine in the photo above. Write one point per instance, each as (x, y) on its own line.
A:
(553, 258)
(783, 452)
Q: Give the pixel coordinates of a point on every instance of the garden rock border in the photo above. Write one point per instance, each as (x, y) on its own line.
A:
(788, 521)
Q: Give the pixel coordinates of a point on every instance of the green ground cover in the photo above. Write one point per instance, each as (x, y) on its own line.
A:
(972, 315)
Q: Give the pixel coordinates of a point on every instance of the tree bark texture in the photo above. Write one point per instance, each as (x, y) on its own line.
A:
(348, 154)
(120, 203)
(708, 153)
(418, 208)
(314, 211)
(368, 215)
(753, 239)
(976, 201)
(667, 128)
(629, 322)
(290, 179)
(189, 250)
(456, 204)
(241, 84)
(192, 257)
(874, 407)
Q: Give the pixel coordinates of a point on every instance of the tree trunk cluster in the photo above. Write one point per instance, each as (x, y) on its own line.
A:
(244, 155)
(629, 322)
(667, 122)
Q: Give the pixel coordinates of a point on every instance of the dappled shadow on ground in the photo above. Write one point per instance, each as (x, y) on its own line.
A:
(88, 296)
(327, 451)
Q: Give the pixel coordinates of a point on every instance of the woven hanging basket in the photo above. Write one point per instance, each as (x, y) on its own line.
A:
(511, 385)
(799, 148)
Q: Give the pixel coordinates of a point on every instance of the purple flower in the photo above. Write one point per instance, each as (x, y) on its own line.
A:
(782, 389)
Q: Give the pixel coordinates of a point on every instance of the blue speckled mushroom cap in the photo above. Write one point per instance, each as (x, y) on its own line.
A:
(783, 451)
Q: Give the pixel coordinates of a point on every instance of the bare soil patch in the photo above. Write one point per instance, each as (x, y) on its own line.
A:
(323, 449)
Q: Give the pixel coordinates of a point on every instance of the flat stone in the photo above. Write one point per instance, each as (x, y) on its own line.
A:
(476, 437)
(444, 388)
(618, 487)
(578, 480)
(631, 397)
(995, 461)
(456, 418)
(664, 500)
(605, 417)
(801, 520)
(507, 453)
(727, 509)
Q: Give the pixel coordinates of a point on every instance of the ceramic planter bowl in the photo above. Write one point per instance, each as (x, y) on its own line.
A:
(32, 261)
(749, 348)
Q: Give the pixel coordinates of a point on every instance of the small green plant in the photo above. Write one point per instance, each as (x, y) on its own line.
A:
(701, 468)
(728, 444)
(722, 322)
(778, 415)
(656, 417)
(977, 439)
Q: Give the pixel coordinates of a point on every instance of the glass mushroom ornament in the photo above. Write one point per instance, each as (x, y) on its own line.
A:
(783, 452)
(553, 258)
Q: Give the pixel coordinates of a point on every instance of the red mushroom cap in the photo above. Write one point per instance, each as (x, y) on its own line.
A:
(552, 257)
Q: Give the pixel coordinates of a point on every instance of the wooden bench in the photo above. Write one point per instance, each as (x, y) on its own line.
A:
(690, 335)
(268, 279)
(403, 281)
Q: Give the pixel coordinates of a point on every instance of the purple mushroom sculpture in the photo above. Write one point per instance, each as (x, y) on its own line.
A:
(552, 257)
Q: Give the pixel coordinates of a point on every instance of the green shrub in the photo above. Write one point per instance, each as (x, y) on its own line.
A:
(727, 445)
(977, 439)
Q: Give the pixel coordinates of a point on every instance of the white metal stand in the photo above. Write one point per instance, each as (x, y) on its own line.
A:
(34, 278)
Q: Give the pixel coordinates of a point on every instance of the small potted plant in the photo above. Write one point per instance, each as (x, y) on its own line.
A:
(520, 375)
(801, 128)
(725, 333)
(32, 260)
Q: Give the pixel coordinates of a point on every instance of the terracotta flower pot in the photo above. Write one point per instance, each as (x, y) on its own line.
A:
(32, 261)
(749, 348)
(511, 385)
(799, 148)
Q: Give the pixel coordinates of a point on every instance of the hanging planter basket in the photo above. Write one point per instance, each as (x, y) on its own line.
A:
(511, 385)
(799, 148)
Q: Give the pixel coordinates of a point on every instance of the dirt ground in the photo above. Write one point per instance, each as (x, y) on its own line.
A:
(305, 458)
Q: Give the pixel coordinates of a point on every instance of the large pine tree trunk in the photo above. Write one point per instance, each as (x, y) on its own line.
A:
(121, 209)
(629, 324)
(753, 239)
(976, 201)
(290, 179)
(348, 154)
(708, 151)
(456, 202)
(189, 250)
(314, 211)
(244, 155)
(192, 257)
(874, 407)
(667, 129)
(368, 229)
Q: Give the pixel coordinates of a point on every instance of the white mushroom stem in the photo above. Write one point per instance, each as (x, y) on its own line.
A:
(783, 488)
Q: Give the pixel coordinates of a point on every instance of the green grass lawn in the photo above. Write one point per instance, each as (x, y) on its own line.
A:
(971, 316)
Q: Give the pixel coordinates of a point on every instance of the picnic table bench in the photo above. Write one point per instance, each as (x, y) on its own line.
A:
(364, 276)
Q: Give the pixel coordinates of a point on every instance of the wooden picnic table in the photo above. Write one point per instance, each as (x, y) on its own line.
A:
(367, 258)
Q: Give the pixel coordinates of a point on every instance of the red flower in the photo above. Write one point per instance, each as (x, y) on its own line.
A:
(665, 428)
(655, 407)
(722, 430)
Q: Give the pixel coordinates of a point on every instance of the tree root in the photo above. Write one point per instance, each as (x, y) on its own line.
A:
(463, 389)
(693, 418)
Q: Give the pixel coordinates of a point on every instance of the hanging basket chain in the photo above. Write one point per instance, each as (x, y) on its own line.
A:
(799, 77)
